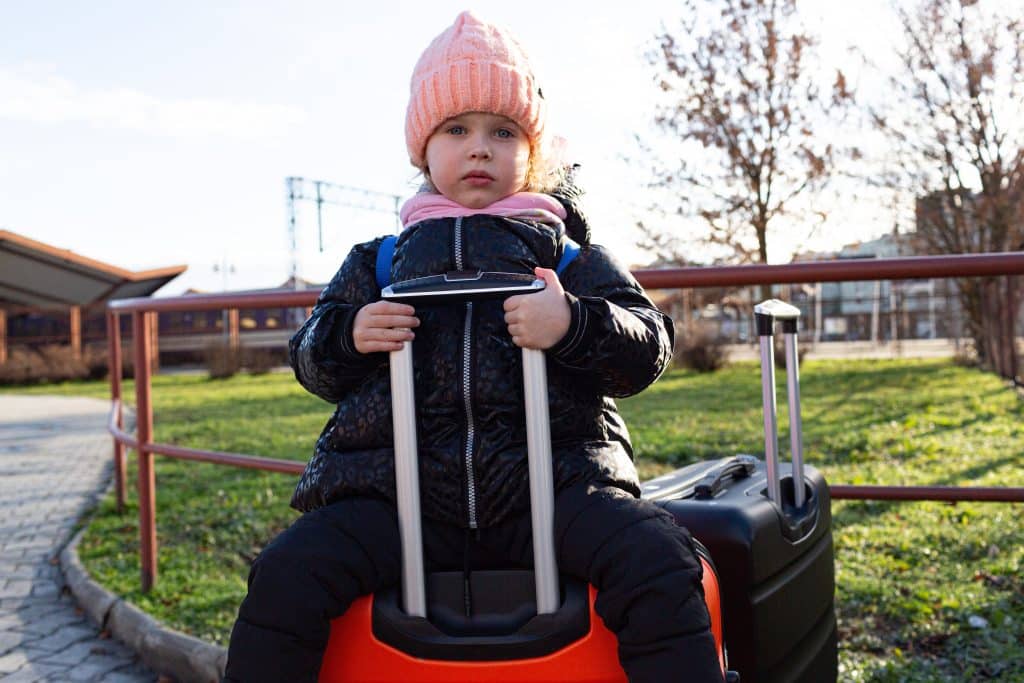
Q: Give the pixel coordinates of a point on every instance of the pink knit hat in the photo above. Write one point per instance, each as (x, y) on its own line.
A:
(471, 66)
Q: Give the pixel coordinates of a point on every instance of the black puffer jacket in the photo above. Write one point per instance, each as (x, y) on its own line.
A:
(472, 447)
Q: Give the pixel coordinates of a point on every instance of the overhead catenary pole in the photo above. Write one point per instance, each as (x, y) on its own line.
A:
(323, 192)
(319, 213)
(294, 270)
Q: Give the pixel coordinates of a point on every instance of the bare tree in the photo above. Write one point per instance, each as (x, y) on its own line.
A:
(954, 115)
(747, 109)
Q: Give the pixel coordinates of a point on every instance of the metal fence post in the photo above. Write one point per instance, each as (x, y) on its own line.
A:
(142, 329)
(1011, 312)
(114, 368)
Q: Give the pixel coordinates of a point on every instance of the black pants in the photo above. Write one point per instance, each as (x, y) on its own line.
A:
(644, 568)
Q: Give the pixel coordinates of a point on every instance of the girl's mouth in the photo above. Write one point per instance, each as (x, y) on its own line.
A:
(477, 178)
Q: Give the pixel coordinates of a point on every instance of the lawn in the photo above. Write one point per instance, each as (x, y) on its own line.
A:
(926, 591)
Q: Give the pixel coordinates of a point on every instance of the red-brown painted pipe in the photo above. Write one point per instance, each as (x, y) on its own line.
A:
(143, 308)
(114, 369)
(208, 302)
(120, 436)
(252, 462)
(141, 328)
(847, 270)
(948, 494)
(907, 268)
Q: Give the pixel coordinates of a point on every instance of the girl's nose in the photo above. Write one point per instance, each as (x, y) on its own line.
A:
(479, 149)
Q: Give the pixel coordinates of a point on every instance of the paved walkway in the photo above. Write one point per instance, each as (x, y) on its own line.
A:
(55, 457)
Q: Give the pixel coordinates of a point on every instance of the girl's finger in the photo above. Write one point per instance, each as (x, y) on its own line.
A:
(385, 346)
(395, 321)
(392, 308)
(385, 334)
(389, 334)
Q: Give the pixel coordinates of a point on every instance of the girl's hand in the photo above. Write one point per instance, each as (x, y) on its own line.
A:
(539, 321)
(383, 326)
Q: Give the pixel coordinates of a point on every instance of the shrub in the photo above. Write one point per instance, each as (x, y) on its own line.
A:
(53, 363)
(23, 366)
(97, 362)
(97, 365)
(258, 361)
(802, 350)
(222, 360)
(700, 349)
(966, 355)
(61, 363)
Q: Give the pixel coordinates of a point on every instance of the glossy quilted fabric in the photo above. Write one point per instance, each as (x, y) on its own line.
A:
(618, 343)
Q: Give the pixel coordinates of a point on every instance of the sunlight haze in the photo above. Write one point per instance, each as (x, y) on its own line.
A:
(153, 134)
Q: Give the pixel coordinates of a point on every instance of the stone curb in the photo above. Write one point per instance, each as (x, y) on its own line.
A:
(164, 650)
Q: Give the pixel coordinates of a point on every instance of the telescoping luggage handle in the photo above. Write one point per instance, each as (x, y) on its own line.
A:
(765, 315)
(538, 438)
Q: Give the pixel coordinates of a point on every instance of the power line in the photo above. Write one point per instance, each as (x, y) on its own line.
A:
(322, 192)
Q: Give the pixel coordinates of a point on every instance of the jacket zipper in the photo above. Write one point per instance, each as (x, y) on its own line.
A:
(467, 399)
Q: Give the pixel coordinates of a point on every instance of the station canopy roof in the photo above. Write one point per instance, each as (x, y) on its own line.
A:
(37, 275)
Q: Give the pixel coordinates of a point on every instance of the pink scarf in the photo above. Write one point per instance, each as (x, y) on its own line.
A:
(530, 205)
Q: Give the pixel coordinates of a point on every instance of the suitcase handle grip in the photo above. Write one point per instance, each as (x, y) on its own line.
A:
(767, 312)
(739, 467)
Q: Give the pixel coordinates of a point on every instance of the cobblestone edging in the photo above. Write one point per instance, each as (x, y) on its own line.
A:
(165, 650)
(54, 465)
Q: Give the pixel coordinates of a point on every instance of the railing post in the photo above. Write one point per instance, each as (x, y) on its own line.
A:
(142, 331)
(1007, 331)
(3, 336)
(115, 370)
(75, 323)
(234, 340)
(154, 341)
(1011, 312)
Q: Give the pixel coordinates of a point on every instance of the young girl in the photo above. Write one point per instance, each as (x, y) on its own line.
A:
(475, 128)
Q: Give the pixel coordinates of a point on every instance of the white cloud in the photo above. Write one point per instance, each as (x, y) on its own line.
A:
(34, 94)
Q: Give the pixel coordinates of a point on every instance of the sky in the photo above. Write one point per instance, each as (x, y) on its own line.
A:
(150, 134)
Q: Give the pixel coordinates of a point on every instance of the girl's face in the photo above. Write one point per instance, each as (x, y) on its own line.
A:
(476, 159)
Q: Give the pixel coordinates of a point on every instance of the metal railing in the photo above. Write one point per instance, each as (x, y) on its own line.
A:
(142, 311)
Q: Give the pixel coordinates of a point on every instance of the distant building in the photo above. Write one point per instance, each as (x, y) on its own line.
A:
(878, 311)
(882, 310)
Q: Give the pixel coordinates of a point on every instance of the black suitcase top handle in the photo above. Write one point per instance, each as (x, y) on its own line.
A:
(738, 467)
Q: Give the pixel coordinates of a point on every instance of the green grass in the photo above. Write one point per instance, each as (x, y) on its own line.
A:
(910, 575)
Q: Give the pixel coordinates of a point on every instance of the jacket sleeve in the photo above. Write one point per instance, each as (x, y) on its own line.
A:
(617, 337)
(322, 352)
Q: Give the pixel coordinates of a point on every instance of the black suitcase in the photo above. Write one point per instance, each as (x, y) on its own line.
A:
(771, 543)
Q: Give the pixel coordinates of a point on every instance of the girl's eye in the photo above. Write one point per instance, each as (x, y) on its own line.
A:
(504, 133)
(457, 130)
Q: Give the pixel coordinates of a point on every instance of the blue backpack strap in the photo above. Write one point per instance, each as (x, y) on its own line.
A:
(570, 252)
(385, 254)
